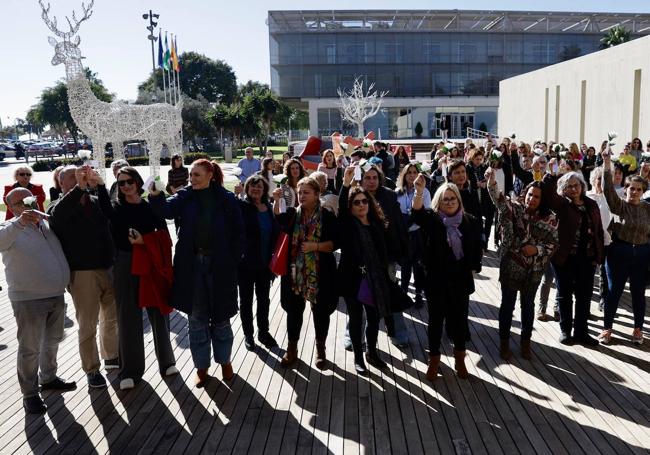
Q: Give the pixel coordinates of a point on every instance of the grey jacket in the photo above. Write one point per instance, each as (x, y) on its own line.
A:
(35, 266)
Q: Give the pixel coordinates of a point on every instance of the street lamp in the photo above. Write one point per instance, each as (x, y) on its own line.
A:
(153, 38)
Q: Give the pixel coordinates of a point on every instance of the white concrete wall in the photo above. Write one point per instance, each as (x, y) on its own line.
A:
(609, 76)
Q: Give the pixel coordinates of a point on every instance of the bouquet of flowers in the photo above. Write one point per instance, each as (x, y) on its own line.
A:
(496, 155)
(84, 155)
(447, 147)
(557, 148)
(30, 201)
(423, 167)
(280, 179)
(367, 143)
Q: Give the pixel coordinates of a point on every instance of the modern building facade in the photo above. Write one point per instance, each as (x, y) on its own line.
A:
(583, 99)
(432, 63)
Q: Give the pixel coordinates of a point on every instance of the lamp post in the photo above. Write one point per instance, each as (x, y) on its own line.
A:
(153, 38)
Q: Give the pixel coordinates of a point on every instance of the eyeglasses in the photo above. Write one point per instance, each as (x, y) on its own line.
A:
(449, 200)
(360, 202)
(125, 182)
(24, 174)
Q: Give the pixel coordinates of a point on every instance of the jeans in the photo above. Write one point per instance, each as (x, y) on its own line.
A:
(355, 311)
(508, 301)
(40, 330)
(203, 331)
(626, 261)
(450, 307)
(260, 282)
(545, 289)
(603, 285)
(574, 277)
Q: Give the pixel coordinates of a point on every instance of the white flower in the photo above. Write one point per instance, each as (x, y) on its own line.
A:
(496, 155)
(538, 141)
(29, 201)
(280, 179)
(367, 143)
(611, 136)
(84, 154)
(426, 166)
(158, 184)
(450, 145)
(236, 171)
(538, 151)
(365, 165)
(563, 154)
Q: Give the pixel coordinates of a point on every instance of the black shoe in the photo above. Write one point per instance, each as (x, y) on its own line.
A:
(59, 384)
(419, 301)
(112, 364)
(34, 405)
(267, 340)
(372, 357)
(249, 342)
(586, 340)
(360, 367)
(96, 380)
(67, 323)
(566, 339)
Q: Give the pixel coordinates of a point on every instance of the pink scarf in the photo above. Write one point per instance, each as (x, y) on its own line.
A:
(454, 236)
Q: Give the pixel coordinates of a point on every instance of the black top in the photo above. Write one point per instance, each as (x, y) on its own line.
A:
(253, 254)
(203, 239)
(125, 216)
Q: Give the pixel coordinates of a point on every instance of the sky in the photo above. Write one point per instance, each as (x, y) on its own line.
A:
(114, 40)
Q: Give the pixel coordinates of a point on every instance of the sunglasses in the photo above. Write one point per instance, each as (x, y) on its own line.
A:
(125, 182)
(24, 174)
(360, 202)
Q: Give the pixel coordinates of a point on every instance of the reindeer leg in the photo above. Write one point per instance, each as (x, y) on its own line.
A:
(118, 149)
(154, 145)
(99, 147)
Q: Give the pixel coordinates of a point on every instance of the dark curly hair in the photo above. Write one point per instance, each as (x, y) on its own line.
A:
(375, 212)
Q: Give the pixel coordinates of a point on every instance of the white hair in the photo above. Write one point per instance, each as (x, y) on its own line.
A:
(564, 181)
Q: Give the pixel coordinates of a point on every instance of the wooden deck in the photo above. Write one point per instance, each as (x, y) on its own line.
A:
(567, 400)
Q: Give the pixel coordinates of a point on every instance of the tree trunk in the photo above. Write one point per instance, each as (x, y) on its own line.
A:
(360, 132)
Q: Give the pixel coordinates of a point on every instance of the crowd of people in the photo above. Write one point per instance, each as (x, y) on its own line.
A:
(358, 229)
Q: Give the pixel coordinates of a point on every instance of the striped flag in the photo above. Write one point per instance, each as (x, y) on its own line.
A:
(160, 51)
(167, 58)
(174, 56)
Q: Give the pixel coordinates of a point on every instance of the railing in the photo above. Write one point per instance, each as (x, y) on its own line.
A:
(473, 133)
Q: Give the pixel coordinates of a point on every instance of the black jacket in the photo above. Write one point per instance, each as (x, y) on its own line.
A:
(252, 259)
(525, 176)
(442, 271)
(83, 231)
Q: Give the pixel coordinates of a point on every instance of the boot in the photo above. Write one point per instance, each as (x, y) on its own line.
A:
(459, 364)
(291, 355)
(526, 353)
(201, 377)
(321, 360)
(372, 357)
(227, 372)
(432, 371)
(504, 351)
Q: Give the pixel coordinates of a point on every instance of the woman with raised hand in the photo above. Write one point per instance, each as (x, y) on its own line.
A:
(295, 171)
(581, 249)
(254, 274)
(363, 278)
(312, 233)
(140, 279)
(629, 253)
(452, 251)
(209, 248)
(529, 239)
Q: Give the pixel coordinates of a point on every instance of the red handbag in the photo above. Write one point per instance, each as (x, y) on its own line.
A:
(279, 264)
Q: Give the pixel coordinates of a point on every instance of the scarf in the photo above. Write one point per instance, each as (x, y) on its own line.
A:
(453, 233)
(305, 265)
(376, 269)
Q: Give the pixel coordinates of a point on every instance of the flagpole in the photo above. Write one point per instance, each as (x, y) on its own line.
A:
(164, 86)
(177, 69)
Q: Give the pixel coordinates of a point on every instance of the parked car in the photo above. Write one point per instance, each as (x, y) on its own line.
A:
(7, 151)
(45, 149)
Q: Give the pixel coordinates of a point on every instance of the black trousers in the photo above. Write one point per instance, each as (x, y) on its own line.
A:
(294, 305)
(413, 265)
(574, 277)
(355, 313)
(259, 282)
(450, 307)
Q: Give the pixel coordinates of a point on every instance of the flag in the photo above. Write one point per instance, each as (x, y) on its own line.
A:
(160, 51)
(166, 60)
(177, 67)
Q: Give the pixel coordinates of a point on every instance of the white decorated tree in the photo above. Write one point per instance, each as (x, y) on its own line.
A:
(358, 105)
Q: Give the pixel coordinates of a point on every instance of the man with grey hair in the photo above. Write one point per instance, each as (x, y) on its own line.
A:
(37, 273)
(248, 165)
(115, 167)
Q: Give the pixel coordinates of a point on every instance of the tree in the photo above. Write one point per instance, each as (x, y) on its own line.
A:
(250, 88)
(357, 105)
(615, 36)
(569, 52)
(418, 129)
(214, 80)
(35, 119)
(53, 108)
(263, 105)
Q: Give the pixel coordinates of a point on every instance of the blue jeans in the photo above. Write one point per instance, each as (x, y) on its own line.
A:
(401, 335)
(202, 330)
(626, 261)
(40, 330)
(574, 277)
(508, 301)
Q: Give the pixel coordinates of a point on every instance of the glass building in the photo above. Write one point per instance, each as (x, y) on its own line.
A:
(432, 63)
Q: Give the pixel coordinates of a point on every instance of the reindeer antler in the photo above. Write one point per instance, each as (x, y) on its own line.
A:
(52, 24)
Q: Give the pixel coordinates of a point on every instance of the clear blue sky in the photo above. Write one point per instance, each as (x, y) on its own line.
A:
(114, 39)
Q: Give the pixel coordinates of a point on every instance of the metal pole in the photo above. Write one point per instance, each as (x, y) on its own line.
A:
(153, 52)
(162, 70)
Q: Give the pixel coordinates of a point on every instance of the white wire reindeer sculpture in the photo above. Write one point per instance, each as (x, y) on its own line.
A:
(114, 122)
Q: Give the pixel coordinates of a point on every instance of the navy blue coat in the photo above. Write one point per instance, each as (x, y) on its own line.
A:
(227, 241)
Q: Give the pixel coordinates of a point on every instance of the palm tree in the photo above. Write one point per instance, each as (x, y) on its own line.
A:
(615, 36)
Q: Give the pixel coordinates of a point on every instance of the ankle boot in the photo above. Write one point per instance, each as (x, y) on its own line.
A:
(321, 360)
(201, 377)
(372, 357)
(432, 371)
(526, 352)
(459, 364)
(227, 371)
(504, 350)
(291, 355)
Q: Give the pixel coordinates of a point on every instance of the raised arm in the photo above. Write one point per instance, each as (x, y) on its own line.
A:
(614, 201)
(549, 193)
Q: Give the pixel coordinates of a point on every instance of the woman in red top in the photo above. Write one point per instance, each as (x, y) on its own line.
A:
(22, 176)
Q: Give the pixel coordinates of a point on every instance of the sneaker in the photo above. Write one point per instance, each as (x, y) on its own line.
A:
(172, 370)
(34, 405)
(605, 336)
(267, 340)
(249, 343)
(347, 344)
(637, 337)
(59, 384)
(112, 364)
(127, 384)
(96, 380)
